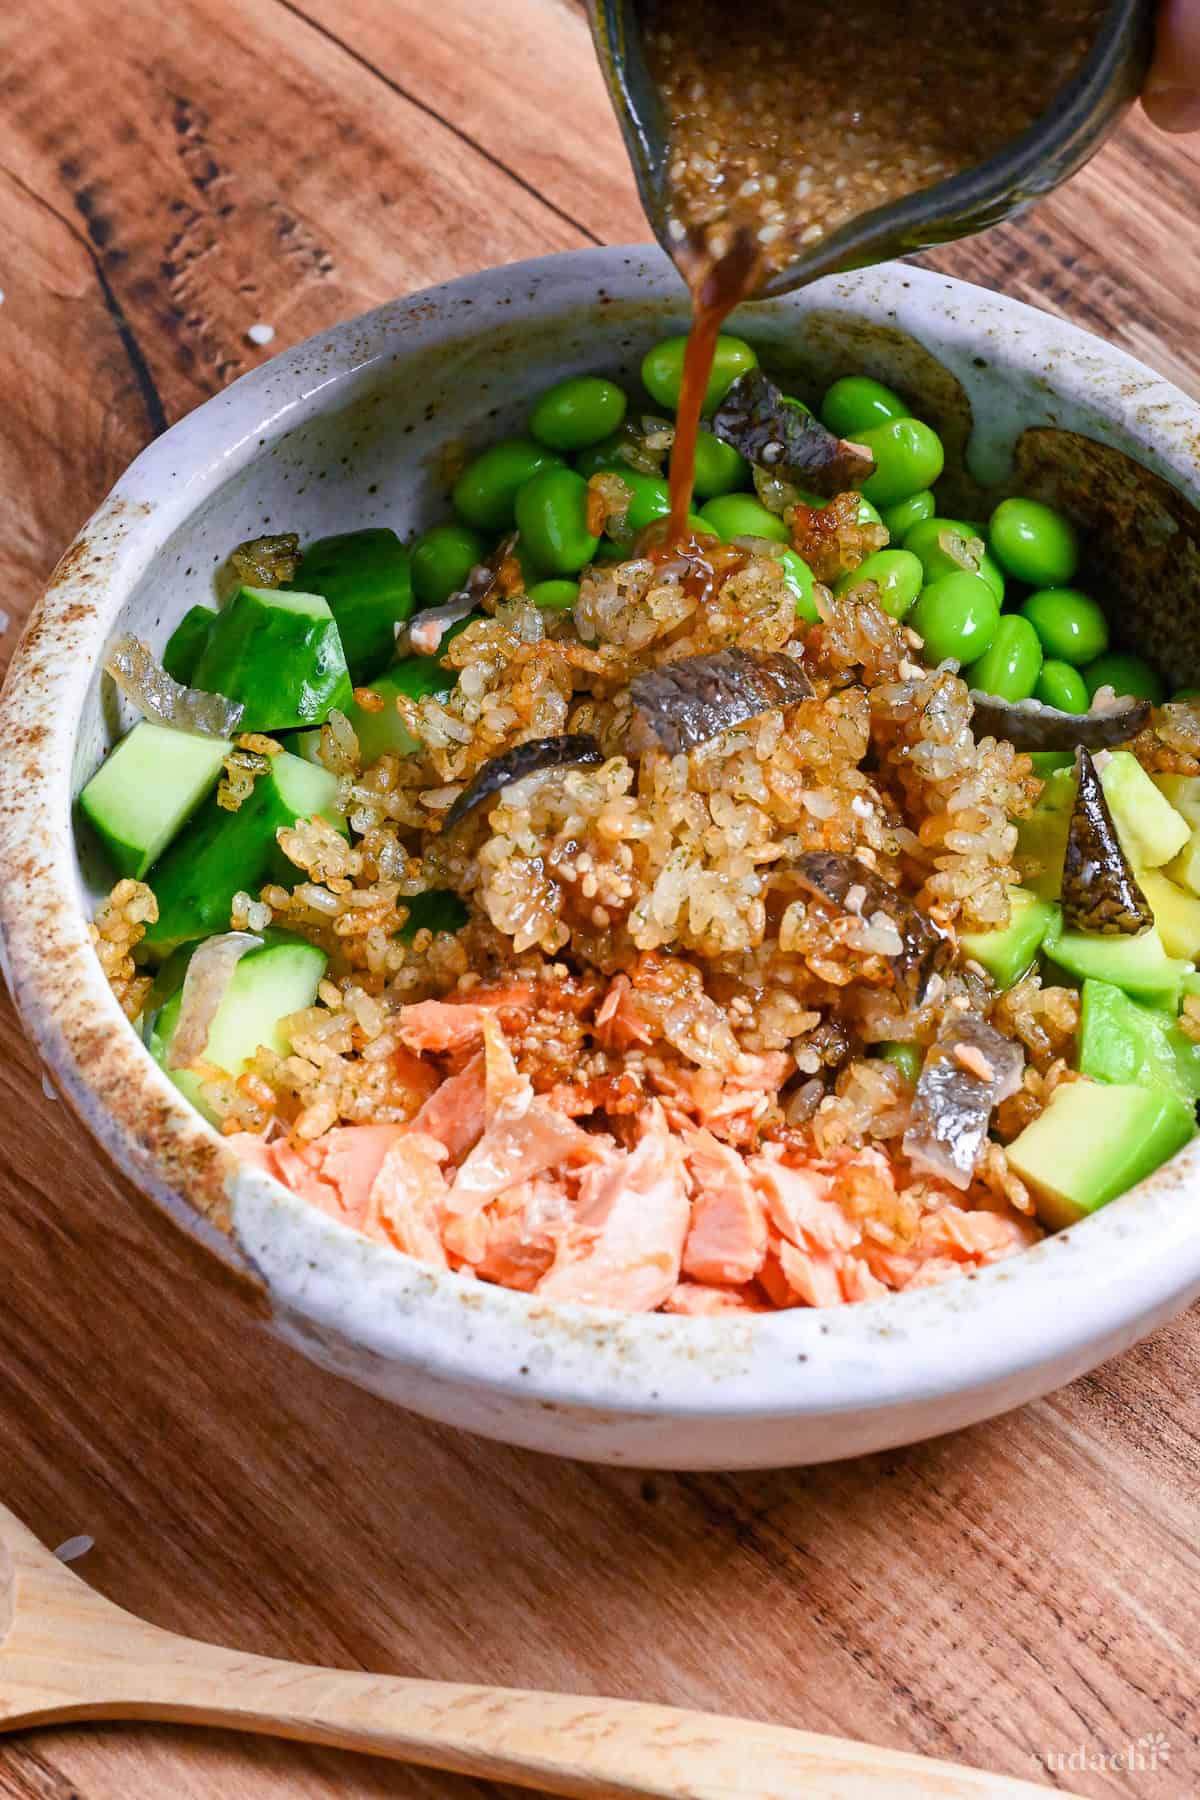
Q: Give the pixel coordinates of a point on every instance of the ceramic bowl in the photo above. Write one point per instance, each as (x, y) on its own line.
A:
(346, 431)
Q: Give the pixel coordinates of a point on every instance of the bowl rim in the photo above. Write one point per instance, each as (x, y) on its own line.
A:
(1137, 1256)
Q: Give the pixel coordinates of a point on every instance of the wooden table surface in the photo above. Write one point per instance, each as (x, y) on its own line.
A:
(1021, 1595)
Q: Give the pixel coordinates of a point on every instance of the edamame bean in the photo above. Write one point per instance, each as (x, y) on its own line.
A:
(1070, 624)
(602, 456)
(926, 541)
(800, 582)
(720, 469)
(741, 515)
(651, 499)
(897, 574)
(908, 457)
(957, 617)
(485, 493)
(1125, 674)
(906, 1057)
(855, 403)
(900, 519)
(1182, 694)
(662, 370)
(1062, 686)
(1049, 762)
(558, 596)
(442, 558)
(552, 512)
(1010, 666)
(577, 413)
(1034, 543)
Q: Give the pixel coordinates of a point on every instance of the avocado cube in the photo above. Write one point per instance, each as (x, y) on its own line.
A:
(1122, 1041)
(1093, 1142)
(1139, 965)
(1009, 953)
(1150, 829)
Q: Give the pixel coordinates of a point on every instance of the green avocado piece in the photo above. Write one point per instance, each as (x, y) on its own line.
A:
(186, 643)
(280, 654)
(1042, 835)
(1094, 1141)
(147, 789)
(1138, 965)
(367, 579)
(222, 853)
(1120, 1041)
(1149, 827)
(1009, 953)
(267, 986)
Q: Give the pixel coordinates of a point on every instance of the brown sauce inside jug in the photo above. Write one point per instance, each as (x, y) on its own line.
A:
(785, 123)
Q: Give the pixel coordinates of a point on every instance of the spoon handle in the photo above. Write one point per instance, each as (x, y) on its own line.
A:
(557, 1743)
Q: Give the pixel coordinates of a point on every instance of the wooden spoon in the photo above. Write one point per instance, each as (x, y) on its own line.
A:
(66, 1654)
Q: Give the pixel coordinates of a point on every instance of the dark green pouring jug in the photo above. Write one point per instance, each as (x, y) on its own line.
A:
(1044, 155)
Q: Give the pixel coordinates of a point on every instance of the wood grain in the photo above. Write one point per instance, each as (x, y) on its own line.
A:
(168, 175)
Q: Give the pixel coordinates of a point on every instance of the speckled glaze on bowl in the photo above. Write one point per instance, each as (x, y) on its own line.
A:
(345, 431)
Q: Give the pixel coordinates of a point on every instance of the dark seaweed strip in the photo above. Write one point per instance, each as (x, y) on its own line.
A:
(1099, 891)
(1028, 725)
(684, 704)
(758, 419)
(573, 749)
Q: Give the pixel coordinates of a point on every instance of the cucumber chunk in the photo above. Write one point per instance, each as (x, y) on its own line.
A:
(383, 730)
(146, 791)
(267, 986)
(186, 643)
(367, 580)
(224, 852)
(279, 653)
(437, 909)
(1093, 1142)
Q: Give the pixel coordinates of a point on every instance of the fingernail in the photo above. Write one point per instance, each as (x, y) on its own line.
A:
(1173, 108)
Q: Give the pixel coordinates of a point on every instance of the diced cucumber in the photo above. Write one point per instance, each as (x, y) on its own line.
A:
(266, 986)
(367, 580)
(1093, 1142)
(1010, 953)
(438, 909)
(381, 731)
(186, 643)
(279, 653)
(223, 853)
(1120, 1041)
(1139, 965)
(147, 789)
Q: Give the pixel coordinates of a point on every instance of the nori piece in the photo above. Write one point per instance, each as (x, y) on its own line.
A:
(1099, 892)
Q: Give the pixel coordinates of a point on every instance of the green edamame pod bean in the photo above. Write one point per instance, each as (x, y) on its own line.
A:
(908, 458)
(741, 515)
(855, 403)
(662, 370)
(1177, 698)
(800, 582)
(579, 412)
(552, 514)
(897, 574)
(602, 456)
(1010, 666)
(1071, 625)
(901, 518)
(485, 493)
(558, 596)
(1125, 674)
(651, 499)
(720, 469)
(1034, 543)
(956, 616)
(1061, 686)
(866, 515)
(925, 540)
(442, 558)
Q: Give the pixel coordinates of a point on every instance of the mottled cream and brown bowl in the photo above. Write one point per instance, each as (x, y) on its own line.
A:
(345, 431)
